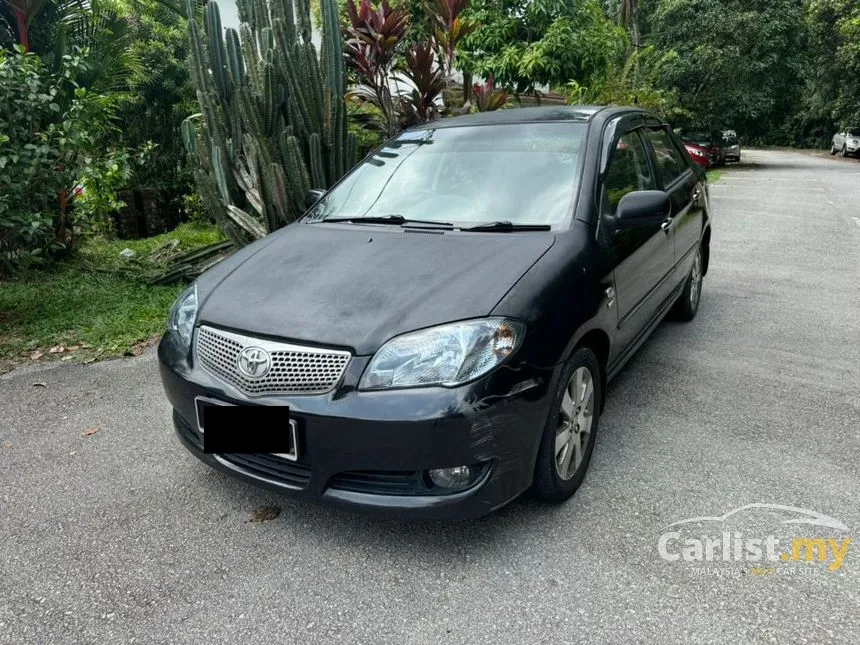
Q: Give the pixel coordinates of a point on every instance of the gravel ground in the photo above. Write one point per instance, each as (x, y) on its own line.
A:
(121, 536)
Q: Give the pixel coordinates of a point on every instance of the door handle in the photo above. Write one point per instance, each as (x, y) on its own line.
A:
(667, 224)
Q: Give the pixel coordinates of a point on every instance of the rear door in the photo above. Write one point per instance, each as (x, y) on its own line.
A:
(686, 191)
(642, 257)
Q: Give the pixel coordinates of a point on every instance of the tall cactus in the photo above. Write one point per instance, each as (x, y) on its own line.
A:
(272, 121)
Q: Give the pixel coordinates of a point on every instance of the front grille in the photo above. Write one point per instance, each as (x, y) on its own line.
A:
(271, 467)
(381, 482)
(294, 369)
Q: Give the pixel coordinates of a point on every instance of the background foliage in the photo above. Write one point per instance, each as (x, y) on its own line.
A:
(49, 132)
(522, 44)
(94, 106)
(73, 71)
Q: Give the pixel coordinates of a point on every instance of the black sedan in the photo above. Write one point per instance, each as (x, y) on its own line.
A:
(435, 335)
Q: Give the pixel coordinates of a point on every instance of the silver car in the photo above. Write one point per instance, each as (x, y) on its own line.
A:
(846, 142)
(732, 146)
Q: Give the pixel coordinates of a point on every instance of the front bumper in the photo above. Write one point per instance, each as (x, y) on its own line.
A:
(371, 450)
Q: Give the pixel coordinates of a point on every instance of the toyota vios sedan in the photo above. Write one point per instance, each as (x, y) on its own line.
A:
(435, 335)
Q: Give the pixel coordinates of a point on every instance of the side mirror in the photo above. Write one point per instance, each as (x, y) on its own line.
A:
(313, 196)
(642, 208)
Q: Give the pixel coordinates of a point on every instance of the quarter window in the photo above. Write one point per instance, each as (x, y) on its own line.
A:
(670, 165)
(628, 171)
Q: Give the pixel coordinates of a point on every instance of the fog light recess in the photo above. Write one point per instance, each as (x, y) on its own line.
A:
(456, 477)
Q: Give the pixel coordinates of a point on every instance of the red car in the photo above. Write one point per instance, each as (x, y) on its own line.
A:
(698, 154)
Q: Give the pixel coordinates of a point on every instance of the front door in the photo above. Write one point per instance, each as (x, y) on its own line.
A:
(642, 257)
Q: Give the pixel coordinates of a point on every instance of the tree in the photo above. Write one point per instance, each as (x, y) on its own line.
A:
(158, 99)
(832, 96)
(635, 82)
(522, 44)
(737, 63)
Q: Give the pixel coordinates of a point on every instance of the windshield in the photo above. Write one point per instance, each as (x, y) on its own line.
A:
(702, 138)
(521, 173)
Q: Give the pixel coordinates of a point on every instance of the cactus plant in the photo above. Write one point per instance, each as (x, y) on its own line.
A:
(272, 120)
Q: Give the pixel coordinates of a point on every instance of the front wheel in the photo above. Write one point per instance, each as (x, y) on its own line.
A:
(833, 150)
(570, 430)
(844, 152)
(688, 302)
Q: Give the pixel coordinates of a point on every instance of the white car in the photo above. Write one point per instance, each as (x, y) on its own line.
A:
(846, 142)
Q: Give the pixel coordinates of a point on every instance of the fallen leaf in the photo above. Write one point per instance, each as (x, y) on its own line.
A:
(140, 347)
(67, 358)
(265, 513)
(89, 360)
(40, 384)
(57, 349)
(73, 348)
(35, 356)
(89, 432)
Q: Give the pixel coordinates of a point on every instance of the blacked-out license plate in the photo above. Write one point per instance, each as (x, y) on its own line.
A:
(228, 428)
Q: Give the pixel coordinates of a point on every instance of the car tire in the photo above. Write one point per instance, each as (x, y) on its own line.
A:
(575, 410)
(688, 302)
(843, 153)
(833, 150)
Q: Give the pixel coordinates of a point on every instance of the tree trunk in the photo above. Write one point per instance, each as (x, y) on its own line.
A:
(467, 87)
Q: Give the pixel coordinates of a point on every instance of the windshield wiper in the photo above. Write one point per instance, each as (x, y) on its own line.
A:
(388, 219)
(505, 226)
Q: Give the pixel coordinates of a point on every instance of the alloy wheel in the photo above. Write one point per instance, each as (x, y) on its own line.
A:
(696, 280)
(574, 423)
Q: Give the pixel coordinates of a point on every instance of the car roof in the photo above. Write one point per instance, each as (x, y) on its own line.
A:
(572, 113)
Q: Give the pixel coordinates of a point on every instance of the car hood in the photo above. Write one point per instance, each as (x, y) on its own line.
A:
(356, 286)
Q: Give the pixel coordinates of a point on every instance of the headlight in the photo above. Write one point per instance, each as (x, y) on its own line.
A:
(183, 313)
(447, 355)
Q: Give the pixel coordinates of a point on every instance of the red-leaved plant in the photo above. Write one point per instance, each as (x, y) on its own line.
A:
(406, 89)
(428, 81)
(487, 97)
(370, 46)
(448, 28)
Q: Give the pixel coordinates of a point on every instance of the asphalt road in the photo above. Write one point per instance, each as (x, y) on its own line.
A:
(121, 536)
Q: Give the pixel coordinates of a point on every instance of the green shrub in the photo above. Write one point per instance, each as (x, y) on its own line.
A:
(49, 128)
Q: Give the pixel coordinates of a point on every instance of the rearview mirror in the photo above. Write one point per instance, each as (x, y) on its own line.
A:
(642, 208)
(313, 196)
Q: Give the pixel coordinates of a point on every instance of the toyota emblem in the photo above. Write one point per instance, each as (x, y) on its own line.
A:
(254, 362)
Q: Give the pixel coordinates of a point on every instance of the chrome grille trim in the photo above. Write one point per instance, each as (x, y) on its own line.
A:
(295, 369)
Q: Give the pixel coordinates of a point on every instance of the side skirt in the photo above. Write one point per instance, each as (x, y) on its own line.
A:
(612, 370)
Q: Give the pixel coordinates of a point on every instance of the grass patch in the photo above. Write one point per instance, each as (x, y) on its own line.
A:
(89, 306)
(715, 175)
(104, 254)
